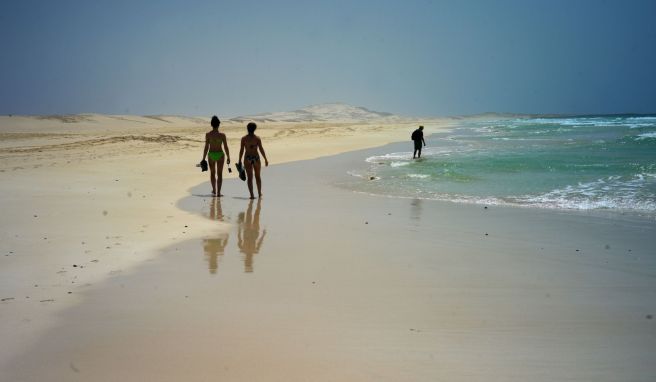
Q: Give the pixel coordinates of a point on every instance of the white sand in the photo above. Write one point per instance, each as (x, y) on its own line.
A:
(99, 192)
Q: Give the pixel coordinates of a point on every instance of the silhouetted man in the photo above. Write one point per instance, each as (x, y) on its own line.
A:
(418, 138)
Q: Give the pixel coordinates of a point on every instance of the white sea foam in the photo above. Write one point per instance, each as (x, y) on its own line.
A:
(355, 174)
(484, 129)
(651, 134)
(631, 122)
(638, 125)
(613, 192)
(389, 157)
(520, 139)
(404, 158)
(463, 152)
(568, 121)
(610, 193)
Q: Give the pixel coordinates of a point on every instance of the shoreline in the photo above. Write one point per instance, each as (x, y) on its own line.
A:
(336, 302)
(367, 176)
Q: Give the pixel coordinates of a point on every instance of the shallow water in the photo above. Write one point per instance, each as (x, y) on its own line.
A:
(581, 163)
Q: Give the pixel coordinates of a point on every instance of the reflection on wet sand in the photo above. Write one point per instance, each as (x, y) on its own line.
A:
(249, 239)
(415, 209)
(248, 234)
(214, 248)
(216, 212)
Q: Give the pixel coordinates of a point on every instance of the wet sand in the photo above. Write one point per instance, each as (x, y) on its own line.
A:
(87, 197)
(315, 282)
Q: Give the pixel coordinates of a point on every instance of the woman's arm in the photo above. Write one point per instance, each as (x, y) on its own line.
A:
(225, 145)
(207, 148)
(241, 150)
(259, 145)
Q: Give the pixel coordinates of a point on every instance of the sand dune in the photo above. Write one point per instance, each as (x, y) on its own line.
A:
(94, 136)
(333, 112)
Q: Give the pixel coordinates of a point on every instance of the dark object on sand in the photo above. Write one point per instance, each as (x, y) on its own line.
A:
(202, 165)
(240, 170)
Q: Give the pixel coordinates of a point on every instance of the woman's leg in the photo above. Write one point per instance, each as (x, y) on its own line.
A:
(219, 175)
(212, 175)
(258, 180)
(249, 174)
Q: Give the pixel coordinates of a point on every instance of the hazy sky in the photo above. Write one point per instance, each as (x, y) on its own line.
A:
(407, 57)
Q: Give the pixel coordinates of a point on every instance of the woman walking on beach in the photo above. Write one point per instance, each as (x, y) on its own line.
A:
(250, 144)
(214, 141)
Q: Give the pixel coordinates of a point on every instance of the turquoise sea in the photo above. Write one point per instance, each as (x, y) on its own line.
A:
(573, 163)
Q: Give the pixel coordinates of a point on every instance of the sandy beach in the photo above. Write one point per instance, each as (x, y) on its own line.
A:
(117, 264)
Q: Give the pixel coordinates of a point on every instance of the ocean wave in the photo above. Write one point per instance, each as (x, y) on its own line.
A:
(596, 121)
(651, 134)
(582, 204)
(418, 176)
(639, 122)
(613, 192)
(495, 162)
(400, 159)
(630, 122)
(550, 203)
(522, 139)
(389, 157)
(640, 125)
(484, 129)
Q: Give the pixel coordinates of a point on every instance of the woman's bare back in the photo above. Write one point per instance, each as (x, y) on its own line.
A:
(215, 140)
(251, 144)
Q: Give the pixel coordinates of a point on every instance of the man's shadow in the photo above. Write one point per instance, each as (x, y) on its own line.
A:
(248, 234)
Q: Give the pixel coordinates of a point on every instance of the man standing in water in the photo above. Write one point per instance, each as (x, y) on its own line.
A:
(418, 138)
